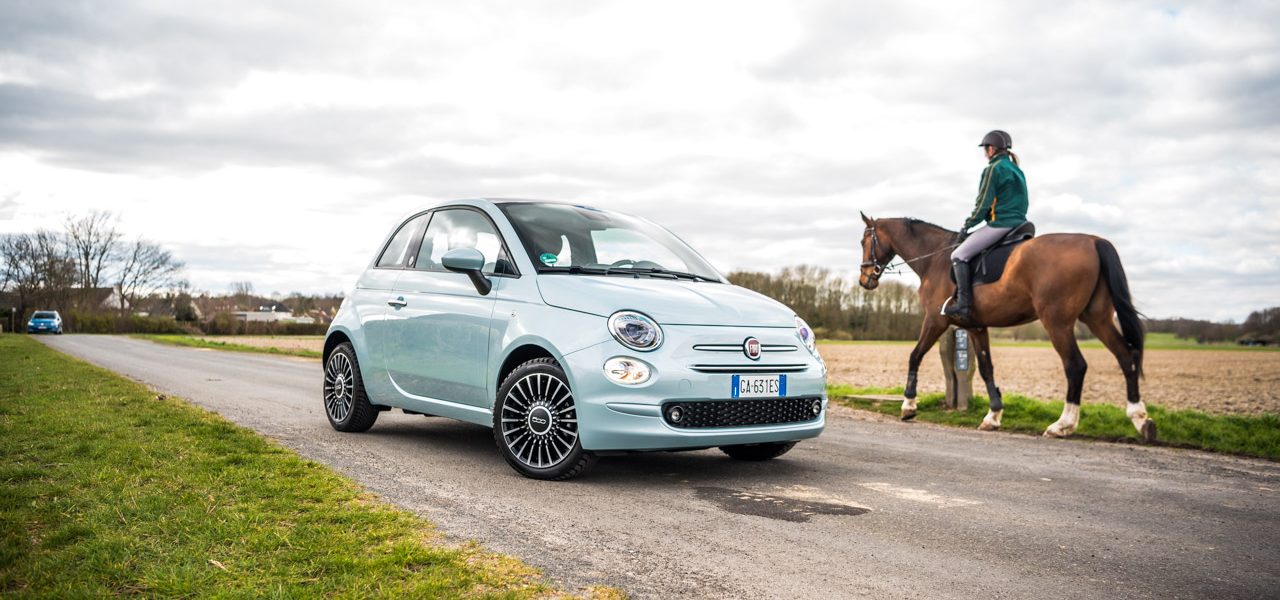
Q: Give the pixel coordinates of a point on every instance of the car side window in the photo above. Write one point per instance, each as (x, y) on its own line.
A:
(394, 255)
(463, 228)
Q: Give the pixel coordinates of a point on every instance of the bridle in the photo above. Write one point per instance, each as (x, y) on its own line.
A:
(879, 267)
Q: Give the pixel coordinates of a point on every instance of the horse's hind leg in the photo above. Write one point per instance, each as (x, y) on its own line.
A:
(995, 410)
(1061, 332)
(1098, 318)
(932, 328)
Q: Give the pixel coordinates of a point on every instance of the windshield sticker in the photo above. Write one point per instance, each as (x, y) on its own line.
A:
(548, 259)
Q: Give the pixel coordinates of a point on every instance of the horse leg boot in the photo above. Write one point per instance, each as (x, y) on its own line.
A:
(962, 307)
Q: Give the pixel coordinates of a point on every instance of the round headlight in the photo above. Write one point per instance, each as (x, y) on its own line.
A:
(635, 330)
(627, 371)
(805, 333)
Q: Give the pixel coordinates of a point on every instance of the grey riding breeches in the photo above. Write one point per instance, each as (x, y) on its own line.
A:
(979, 240)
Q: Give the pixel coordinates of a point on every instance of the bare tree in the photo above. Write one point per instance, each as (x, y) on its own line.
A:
(56, 266)
(21, 274)
(95, 243)
(146, 267)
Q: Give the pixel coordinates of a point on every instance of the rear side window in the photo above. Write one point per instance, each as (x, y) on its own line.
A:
(394, 254)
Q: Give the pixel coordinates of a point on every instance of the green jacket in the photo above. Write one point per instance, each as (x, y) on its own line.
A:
(1002, 195)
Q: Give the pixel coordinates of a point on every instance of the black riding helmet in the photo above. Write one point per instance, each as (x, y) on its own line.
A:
(997, 138)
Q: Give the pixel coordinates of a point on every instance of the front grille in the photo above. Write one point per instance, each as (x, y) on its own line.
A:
(738, 347)
(740, 413)
(750, 368)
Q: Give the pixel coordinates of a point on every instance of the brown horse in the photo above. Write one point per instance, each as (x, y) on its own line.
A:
(1056, 278)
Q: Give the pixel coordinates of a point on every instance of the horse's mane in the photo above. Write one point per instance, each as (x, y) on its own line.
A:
(912, 222)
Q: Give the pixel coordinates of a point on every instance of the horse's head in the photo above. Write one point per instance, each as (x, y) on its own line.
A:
(877, 251)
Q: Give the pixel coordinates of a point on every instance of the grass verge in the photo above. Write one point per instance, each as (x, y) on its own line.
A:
(1232, 434)
(193, 342)
(111, 490)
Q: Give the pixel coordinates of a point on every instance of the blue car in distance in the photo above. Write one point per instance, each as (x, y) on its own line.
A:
(45, 321)
(571, 332)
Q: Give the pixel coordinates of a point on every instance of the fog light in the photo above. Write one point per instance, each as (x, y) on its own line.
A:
(626, 371)
(675, 414)
(817, 407)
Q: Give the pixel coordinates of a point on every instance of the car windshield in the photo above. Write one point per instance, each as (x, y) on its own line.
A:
(562, 238)
(44, 315)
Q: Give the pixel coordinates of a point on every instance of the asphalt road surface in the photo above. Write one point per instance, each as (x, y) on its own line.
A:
(872, 508)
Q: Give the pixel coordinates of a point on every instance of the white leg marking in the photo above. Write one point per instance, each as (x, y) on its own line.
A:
(1066, 424)
(909, 405)
(991, 422)
(1137, 413)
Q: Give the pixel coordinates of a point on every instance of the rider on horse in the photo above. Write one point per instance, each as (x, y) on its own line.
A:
(1001, 203)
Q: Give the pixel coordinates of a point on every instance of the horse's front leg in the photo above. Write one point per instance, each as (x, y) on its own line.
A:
(995, 410)
(932, 328)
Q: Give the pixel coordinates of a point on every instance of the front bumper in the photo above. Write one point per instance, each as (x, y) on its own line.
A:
(618, 417)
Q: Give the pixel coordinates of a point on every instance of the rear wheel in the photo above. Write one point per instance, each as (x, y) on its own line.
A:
(345, 401)
(758, 451)
(535, 423)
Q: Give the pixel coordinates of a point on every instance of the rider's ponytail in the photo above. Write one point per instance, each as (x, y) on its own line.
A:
(1014, 157)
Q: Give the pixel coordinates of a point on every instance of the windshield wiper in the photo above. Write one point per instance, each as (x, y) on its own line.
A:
(656, 271)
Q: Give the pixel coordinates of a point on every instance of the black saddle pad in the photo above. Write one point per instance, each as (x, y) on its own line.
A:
(988, 266)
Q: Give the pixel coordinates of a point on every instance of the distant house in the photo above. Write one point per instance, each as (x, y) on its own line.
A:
(100, 298)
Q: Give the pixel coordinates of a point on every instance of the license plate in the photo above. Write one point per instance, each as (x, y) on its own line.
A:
(759, 386)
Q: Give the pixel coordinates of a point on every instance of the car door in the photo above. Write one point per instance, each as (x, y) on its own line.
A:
(373, 292)
(441, 348)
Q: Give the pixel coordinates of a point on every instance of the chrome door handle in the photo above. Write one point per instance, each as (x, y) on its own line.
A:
(398, 302)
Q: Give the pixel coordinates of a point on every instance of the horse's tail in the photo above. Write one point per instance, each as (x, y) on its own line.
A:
(1129, 317)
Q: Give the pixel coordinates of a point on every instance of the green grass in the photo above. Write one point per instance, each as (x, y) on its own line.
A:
(1233, 434)
(192, 342)
(1155, 341)
(110, 490)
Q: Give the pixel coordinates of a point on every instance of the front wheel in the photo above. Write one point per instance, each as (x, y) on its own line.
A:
(758, 451)
(535, 423)
(345, 401)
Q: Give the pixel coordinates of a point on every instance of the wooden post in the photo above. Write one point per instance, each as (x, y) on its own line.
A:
(957, 368)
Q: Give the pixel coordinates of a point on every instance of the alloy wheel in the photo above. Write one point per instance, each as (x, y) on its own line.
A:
(339, 386)
(539, 423)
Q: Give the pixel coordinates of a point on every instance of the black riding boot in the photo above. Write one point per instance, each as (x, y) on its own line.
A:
(964, 292)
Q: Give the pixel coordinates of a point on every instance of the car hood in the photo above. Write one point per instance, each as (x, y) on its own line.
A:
(670, 302)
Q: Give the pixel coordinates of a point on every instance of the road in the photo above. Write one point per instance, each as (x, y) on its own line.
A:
(873, 508)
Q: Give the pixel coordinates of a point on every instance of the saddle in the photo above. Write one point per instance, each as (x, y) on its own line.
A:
(988, 265)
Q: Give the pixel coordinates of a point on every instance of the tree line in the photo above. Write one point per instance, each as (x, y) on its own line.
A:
(839, 308)
(1261, 326)
(64, 269)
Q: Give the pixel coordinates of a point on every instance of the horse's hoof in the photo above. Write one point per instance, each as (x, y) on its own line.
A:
(988, 426)
(1056, 433)
(1148, 431)
(908, 415)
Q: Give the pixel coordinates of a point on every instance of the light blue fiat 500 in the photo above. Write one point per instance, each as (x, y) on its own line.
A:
(571, 331)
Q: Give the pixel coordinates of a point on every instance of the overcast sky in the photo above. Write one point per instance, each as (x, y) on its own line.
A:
(278, 142)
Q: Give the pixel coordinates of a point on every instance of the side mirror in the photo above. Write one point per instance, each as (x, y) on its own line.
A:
(469, 262)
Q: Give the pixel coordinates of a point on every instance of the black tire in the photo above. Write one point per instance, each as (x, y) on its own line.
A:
(345, 402)
(758, 452)
(534, 392)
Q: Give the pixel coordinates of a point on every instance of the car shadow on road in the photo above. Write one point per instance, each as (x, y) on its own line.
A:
(651, 470)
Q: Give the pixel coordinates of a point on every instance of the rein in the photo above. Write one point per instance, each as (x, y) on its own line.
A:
(889, 266)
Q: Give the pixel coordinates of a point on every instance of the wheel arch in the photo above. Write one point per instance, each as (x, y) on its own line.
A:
(335, 338)
(519, 355)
